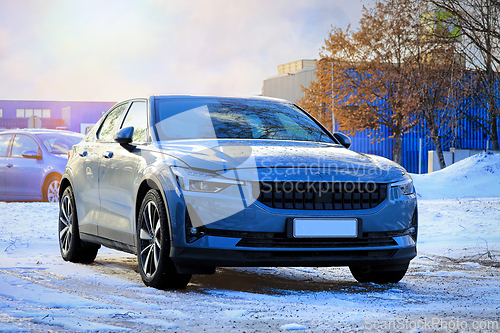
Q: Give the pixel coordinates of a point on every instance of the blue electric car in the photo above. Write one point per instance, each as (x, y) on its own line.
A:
(191, 183)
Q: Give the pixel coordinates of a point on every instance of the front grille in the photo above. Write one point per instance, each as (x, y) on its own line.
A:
(320, 255)
(321, 195)
(280, 240)
(283, 242)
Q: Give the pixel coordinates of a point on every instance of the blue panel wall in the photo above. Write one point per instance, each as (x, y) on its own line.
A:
(378, 142)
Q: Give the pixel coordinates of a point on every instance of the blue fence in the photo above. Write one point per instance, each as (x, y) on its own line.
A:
(368, 142)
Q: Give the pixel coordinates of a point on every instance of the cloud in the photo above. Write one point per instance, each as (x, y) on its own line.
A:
(112, 50)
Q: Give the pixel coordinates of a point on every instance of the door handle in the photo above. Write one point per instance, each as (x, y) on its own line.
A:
(83, 153)
(9, 165)
(108, 154)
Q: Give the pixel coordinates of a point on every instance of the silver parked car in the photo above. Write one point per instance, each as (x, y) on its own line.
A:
(32, 162)
(192, 183)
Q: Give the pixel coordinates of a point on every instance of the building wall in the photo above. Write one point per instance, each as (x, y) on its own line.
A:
(15, 114)
(289, 86)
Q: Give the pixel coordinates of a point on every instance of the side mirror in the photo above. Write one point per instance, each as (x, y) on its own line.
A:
(343, 139)
(124, 136)
(31, 154)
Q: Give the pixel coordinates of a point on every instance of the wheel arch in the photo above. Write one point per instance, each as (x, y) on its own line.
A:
(65, 182)
(150, 182)
(46, 180)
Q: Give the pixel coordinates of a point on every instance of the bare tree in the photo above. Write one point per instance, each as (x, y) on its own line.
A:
(479, 24)
(441, 80)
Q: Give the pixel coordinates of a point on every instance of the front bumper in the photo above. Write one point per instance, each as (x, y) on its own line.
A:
(256, 235)
(254, 249)
(186, 258)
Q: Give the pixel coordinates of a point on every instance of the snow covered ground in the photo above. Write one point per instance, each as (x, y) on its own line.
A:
(475, 177)
(454, 281)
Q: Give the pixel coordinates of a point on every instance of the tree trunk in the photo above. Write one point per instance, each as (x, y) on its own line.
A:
(435, 137)
(396, 151)
(398, 142)
(492, 109)
(494, 132)
(439, 148)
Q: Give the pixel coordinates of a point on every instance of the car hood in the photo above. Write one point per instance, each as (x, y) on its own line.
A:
(282, 160)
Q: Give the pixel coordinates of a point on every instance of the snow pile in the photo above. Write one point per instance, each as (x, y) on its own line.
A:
(465, 221)
(476, 176)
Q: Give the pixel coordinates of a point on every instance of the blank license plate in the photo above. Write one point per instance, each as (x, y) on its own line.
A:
(325, 228)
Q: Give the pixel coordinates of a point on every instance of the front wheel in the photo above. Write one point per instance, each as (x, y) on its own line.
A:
(153, 246)
(71, 246)
(379, 274)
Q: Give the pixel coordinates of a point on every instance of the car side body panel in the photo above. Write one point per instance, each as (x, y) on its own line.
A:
(117, 191)
(84, 164)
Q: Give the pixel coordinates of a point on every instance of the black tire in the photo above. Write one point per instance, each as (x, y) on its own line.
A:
(153, 246)
(72, 248)
(51, 188)
(379, 274)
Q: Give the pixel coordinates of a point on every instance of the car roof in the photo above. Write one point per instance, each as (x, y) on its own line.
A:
(256, 98)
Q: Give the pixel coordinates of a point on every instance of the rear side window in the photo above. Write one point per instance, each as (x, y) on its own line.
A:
(59, 143)
(23, 143)
(4, 144)
(108, 127)
(138, 118)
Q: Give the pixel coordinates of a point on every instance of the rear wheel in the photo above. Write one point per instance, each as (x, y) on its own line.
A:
(379, 274)
(155, 266)
(51, 188)
(72, 248)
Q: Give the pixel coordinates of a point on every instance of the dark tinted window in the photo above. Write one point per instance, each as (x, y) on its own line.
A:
(4, 144)
(23, 143)
(227, 118)
(138, 118)
(108, 127)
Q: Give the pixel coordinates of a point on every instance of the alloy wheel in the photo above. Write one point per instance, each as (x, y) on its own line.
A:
(53, 191)
(150, 239)
(66, 223)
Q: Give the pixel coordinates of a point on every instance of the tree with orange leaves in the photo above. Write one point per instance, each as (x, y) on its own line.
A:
(367, 77)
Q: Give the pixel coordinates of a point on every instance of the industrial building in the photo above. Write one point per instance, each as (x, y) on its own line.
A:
(74, 116)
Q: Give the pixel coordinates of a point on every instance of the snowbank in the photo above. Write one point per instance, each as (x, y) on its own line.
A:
(476, 176)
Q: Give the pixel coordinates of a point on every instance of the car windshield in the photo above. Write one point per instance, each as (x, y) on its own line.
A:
(239, 119)
(58, 143)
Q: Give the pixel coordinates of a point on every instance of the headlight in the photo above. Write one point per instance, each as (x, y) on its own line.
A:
(200, 181)
(405, 185)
